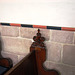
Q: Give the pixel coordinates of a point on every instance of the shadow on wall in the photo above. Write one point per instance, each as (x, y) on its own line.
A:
(0, 46)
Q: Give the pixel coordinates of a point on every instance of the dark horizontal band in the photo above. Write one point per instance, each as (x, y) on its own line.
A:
(39, 26)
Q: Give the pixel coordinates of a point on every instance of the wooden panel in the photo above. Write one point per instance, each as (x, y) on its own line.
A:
(5, 62)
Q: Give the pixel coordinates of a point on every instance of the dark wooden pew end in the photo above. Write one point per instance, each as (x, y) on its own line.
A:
(5, 65)
(32, 64)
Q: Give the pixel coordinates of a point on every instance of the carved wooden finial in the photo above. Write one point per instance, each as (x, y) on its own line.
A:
(38, 30)
(38, 41)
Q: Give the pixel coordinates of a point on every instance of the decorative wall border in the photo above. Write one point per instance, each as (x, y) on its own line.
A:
(39, 26)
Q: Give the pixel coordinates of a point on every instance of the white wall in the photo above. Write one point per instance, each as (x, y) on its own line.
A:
(42, 12)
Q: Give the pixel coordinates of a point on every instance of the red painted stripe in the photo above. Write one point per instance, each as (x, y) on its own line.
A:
(68, 29)
(13, 24)
(39, 26)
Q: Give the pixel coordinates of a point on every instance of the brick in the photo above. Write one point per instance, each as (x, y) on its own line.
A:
(69, 54)
(16, 45)
(0, 29)
(62, 36)
(12, 56)
(62, 69)
(53, 51)
(10, 31)
(30, 32)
